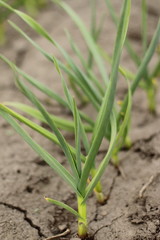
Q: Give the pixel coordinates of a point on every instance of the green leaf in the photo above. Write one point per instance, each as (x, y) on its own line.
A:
(78, 76)
(33, 24)
(112, 11)
(93, 30)
(142, 68)
(51, 161)
(63, 205)
(82, 80)
(105, 161)
(125, 72)
(88, 38)
(37, 128)
(123, 123)
(81, 125)
(74, 110)
(76, 50)
(88, 70)
(39, 29)
(60, 122)
(108, 101)
(77, 137)
(93, 6)
(41, 86)
(128, 45)
(52, 125)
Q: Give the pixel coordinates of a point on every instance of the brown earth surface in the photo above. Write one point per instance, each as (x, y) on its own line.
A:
(132, 211)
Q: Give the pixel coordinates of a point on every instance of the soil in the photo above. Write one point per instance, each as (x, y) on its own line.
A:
(132, 210)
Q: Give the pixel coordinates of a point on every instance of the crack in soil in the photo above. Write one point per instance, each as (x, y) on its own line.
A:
(26, 218)
(108, 225)
(146, 154)
(140, 147)
(150, 137)
(143, 140)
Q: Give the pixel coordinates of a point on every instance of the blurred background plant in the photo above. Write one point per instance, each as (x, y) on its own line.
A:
(31, 6)
(149, 78)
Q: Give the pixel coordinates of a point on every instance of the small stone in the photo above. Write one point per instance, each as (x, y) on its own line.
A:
(62, 227)
(104, 213)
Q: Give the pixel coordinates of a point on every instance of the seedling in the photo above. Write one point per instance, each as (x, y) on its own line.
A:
(81, 166)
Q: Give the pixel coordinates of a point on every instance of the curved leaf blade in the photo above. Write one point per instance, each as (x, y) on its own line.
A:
(51, 161)
(63, 205)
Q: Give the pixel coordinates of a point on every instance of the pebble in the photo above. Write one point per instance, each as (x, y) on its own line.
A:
(62, 227)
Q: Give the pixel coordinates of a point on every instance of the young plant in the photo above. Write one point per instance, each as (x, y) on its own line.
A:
(149, 77)
(81, 166)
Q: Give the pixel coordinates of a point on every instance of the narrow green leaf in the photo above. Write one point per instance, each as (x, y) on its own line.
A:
(60, 122)
(39, 29)
(128, 45)
(125, 72)
(82, 128)
(41, 86)
(123, 123)
(76, 50)
(37, 128)
(77, 137)
(105, 161)
(52, 125)
(134, 56)
(112, 12)
(88, 70)
(147, 58)
(79, 126)
(88, 38)
(108, 101)
(2, 3)
(51, 161)
(144, 63)
(63, 205)
(74, 110)
(77, 76)
(93, 30)
(30, 21)
(82, 80)
(93, 23)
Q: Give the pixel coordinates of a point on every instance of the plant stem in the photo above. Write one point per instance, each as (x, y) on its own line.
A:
(82, 222)
(98, 189)
(128, 142)
(151, 95)
(115, 159)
